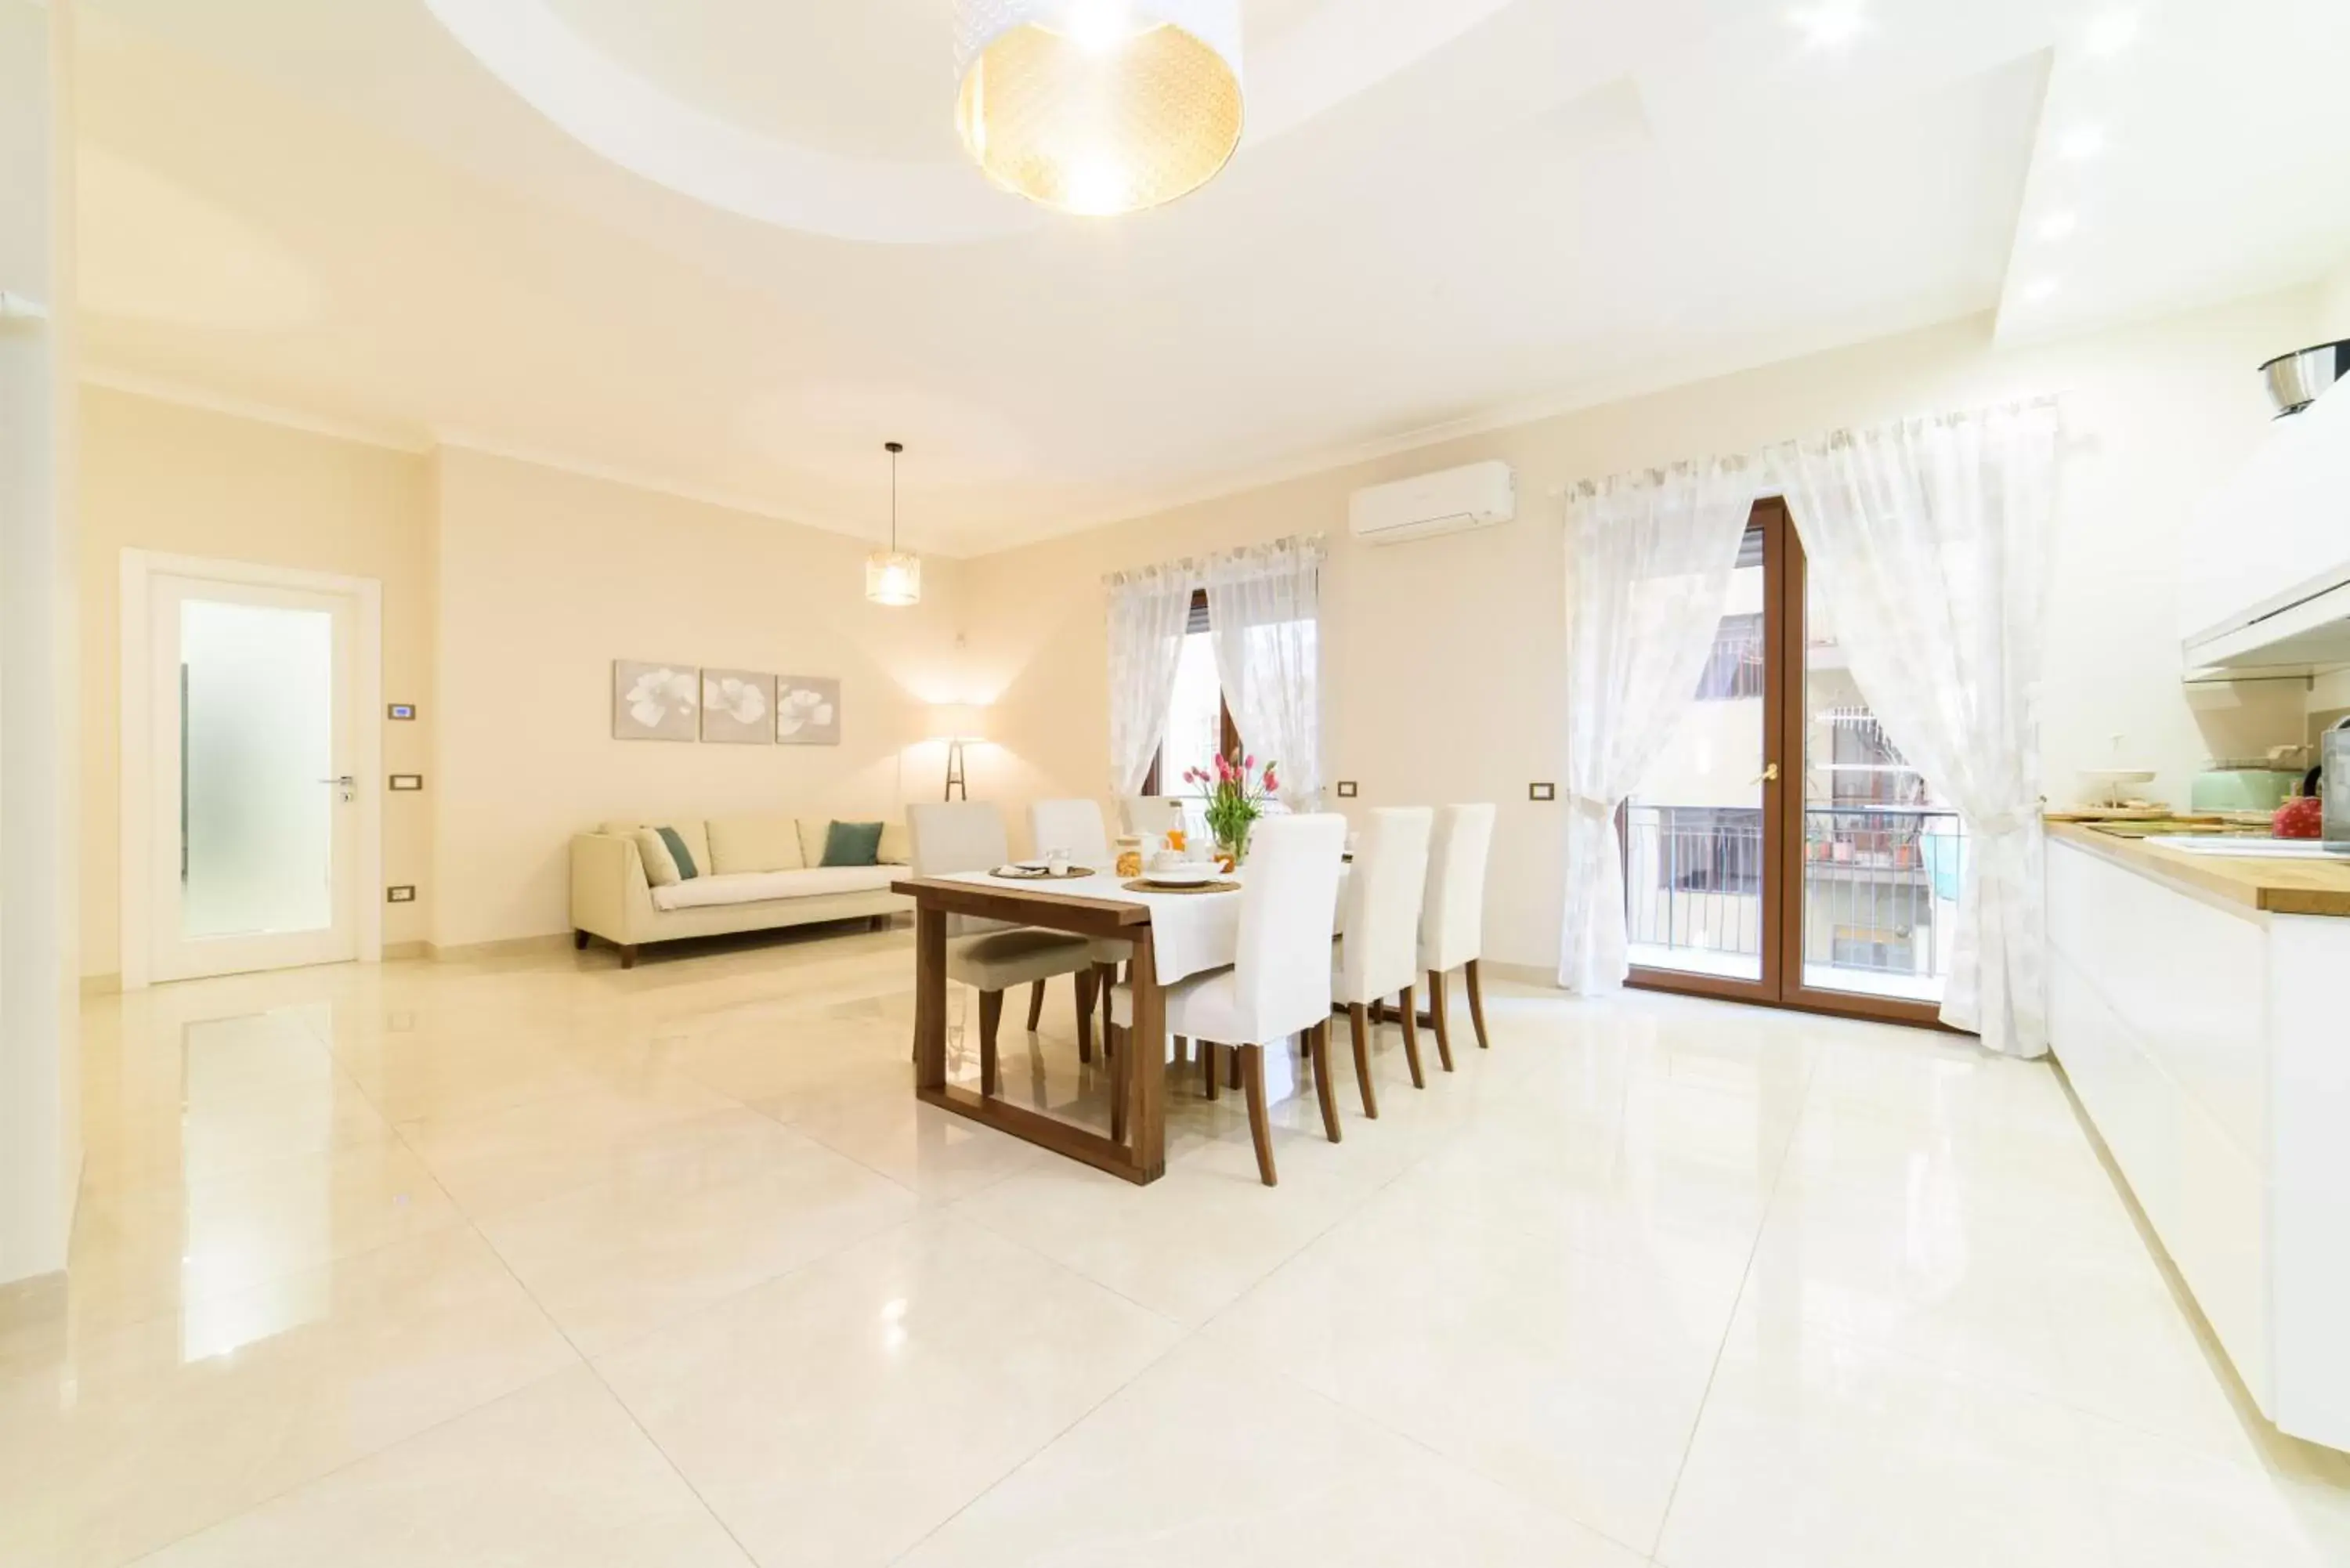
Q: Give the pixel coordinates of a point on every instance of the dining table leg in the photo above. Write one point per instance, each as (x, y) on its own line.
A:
(931, 999)
(1145, 1065)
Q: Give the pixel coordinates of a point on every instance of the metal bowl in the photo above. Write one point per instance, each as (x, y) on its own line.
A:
(2295, 381)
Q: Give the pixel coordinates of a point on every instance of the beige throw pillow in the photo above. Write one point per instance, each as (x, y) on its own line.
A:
(764, 843)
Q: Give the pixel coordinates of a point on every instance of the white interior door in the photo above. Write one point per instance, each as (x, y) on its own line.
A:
(255, 780)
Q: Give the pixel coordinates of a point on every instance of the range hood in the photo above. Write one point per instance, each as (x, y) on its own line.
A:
(2264, 584)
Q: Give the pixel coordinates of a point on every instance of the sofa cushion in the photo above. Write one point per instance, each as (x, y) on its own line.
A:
(813, 831)
(766, 843)
(897, 847)
(667, 861)
(691, 828)
(853, 843)
(753, 887)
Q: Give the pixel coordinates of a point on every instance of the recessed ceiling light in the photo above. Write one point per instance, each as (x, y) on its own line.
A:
(2039, 291)
(2059, 225)
(1831, 24)
(2111, 32)
(2083, 143)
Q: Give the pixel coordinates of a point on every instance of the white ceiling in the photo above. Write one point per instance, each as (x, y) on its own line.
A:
(730, 246)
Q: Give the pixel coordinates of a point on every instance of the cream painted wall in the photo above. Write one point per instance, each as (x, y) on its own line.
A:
(545, 577)
(1443, 657)
(163, 477)
(2333, 308)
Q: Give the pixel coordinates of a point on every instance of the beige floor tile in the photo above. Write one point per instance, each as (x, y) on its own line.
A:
(839, 1414)
(1196, 1462)
(1572, 1380)
(647, 1245)
(523, 1154)
(135, 1437)
(162, 1144)
(153, 1250)
(556, 1475)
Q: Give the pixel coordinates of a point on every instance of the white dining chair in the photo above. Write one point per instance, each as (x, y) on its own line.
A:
(1075, 827)
(1452, 916)
(1379, 954)
(1279, 981)
(991, 956)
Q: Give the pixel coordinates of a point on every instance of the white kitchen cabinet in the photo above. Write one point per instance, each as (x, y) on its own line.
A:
(2210, 1044)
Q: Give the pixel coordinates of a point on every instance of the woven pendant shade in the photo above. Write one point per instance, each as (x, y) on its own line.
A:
(1099, 106)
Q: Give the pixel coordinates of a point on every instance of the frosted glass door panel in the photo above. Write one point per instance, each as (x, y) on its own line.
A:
(257, 749)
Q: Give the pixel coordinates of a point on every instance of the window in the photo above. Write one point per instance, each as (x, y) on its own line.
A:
(1734, 671)
(1199, 725)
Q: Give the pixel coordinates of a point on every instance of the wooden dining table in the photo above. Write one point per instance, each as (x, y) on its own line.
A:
(1173, 935)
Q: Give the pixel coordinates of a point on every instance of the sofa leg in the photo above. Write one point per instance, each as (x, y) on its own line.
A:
(579, 941)
(628, 955)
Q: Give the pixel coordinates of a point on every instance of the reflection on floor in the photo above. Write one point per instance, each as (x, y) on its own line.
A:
(540, 1262)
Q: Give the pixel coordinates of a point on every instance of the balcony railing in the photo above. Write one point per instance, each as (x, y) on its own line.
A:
(1880, 893)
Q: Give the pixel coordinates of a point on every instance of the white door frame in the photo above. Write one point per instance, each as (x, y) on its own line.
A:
(135, 810)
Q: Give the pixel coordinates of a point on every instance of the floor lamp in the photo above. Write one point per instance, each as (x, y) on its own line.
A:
(957, 723)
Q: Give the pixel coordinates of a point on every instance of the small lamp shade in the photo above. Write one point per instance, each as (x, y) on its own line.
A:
(957, 722)
(893, 577)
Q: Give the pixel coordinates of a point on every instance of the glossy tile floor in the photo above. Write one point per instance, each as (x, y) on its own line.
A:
(539, 1263)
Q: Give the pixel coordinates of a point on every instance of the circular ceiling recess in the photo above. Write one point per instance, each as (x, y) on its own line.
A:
(838, 118)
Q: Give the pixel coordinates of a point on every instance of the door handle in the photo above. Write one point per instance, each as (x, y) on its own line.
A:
(1770, 775)
(349, 783)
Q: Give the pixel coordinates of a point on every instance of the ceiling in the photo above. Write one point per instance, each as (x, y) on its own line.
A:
(730, 246)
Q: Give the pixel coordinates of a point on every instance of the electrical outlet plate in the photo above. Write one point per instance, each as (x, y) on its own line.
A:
(400, 893)
(405, 782)
(1541, 792)
(1346, 789)
(401, 711)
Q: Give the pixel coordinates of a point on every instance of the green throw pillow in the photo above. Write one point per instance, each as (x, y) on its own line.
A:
(852, 844)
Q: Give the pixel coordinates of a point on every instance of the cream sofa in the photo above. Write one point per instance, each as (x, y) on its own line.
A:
(758, 873)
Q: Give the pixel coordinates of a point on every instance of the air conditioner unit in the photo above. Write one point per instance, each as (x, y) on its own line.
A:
(1477, 496)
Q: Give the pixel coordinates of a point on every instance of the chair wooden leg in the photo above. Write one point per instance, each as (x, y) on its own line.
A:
(1086, 980)
(1233, 1082)
(991, 1014)
(1182, 1049)
(1477, 1006)
(1250, 1059)
(628, 956)
(1358, 1020)
(1317, 1046)
(1436, 1015)
(1036, 1006)
(1412, 1038)
(1208, 1069)
(580, 940)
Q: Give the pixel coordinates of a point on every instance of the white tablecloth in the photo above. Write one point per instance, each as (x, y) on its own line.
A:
(1191, 933)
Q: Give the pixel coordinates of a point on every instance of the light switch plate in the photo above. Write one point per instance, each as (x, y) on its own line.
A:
(401, 711)
(1541, 792)
(1347, 790)
(407, 781)
(400, 893)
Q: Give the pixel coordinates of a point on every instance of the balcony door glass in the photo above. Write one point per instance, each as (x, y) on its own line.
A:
(1883, 855)
(1695, 876)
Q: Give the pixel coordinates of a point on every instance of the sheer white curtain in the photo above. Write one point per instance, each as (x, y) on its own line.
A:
(1264, 617)
(1931, 539)
(1648, 563)
(1148, 612)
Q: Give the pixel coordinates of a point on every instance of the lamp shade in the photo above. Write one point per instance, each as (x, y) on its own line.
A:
(893, 577)
(957, 722)
(1099, 106)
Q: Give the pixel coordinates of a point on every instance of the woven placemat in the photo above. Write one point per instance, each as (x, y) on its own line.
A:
(1071, 875)
(1202, 887)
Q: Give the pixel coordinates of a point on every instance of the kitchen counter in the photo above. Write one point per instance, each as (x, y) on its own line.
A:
(2274, 887)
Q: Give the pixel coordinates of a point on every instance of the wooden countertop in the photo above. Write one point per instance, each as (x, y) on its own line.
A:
(2277, 887)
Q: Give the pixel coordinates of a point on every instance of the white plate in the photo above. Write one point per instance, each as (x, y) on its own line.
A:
(1182, 876)
(1021, 868)
(1032, 864)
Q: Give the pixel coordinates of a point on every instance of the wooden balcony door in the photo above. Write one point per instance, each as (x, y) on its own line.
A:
(1782, 852)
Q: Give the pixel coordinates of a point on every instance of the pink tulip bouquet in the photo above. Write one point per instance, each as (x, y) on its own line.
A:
(1235, 794)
